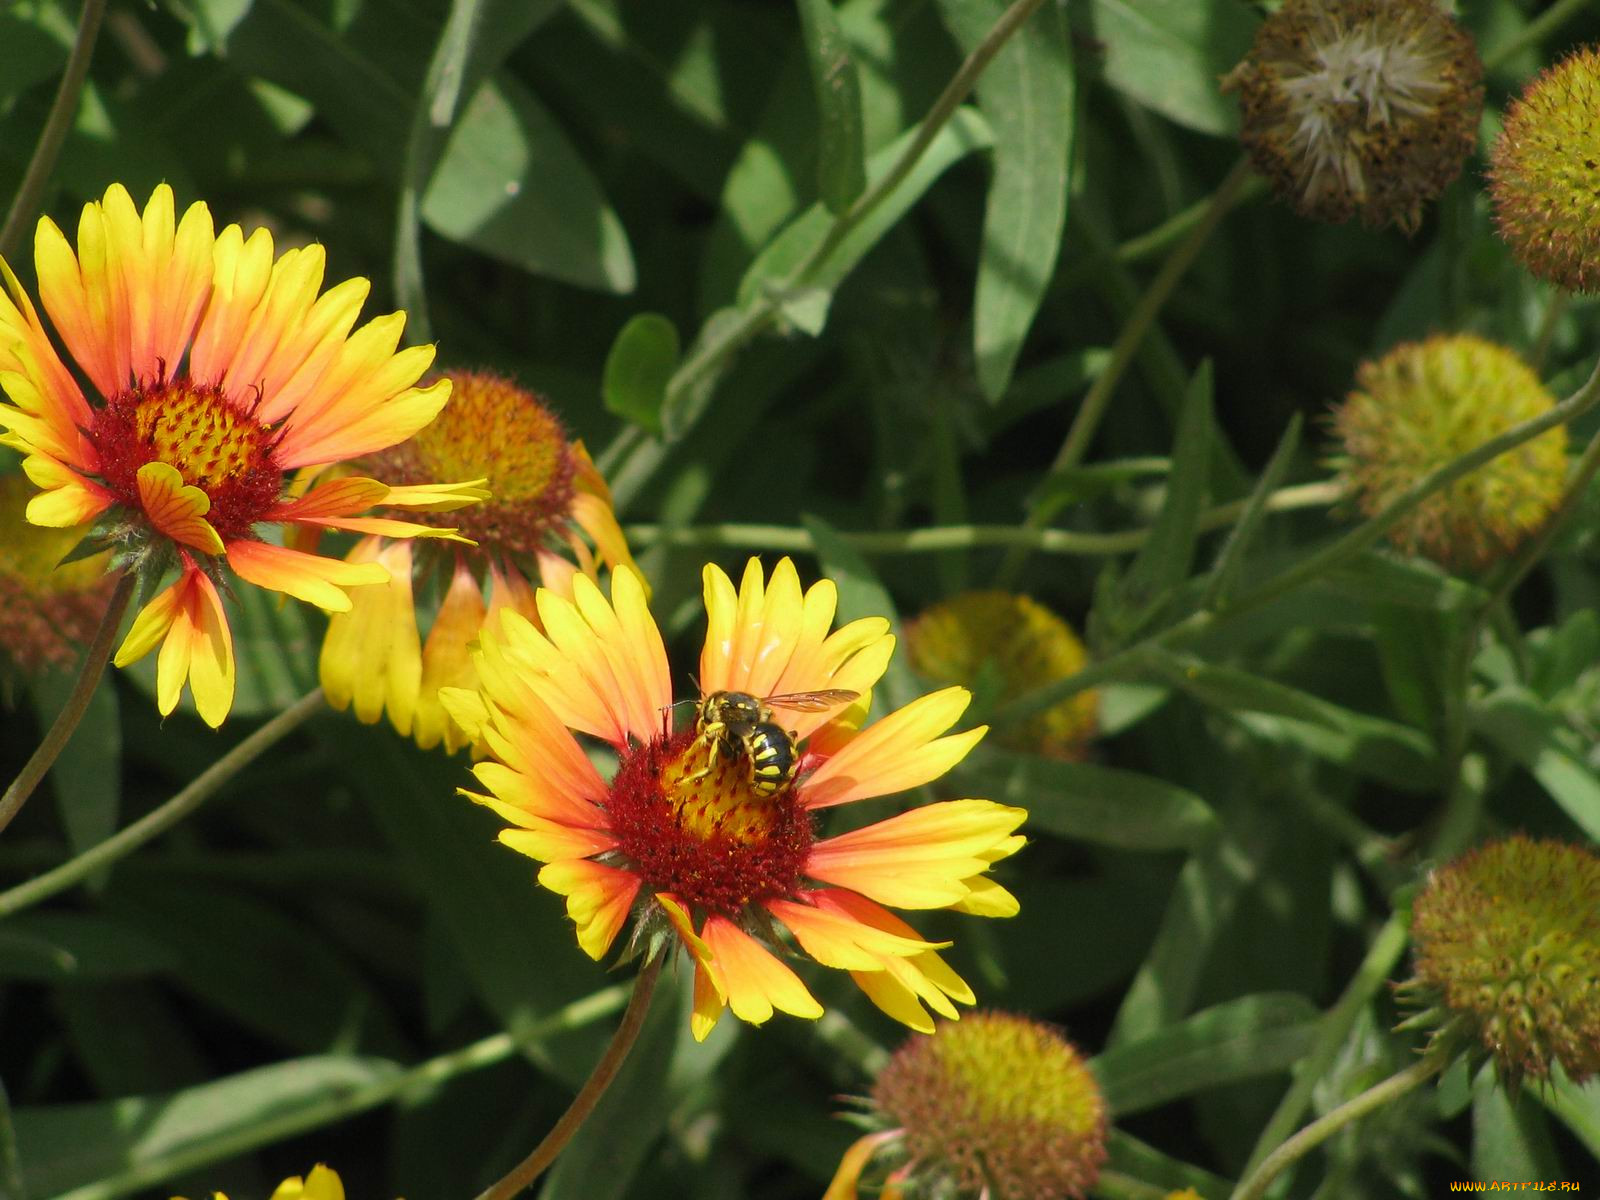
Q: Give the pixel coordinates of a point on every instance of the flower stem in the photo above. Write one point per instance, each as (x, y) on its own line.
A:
(1535, 31)
(1335, 1027)
(11, 1185)
(966, 537)
(1098, 399)
(25, 204)
(55, 739)
(546, 1152)
(1254, 1186)
(158, 821)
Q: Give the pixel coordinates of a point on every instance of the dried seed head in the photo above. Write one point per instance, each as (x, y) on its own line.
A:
(1544, 174)
(1359, 107)
(1507, 942)
(1424, 404)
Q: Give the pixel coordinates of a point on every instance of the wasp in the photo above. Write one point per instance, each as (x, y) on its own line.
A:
(740, 727)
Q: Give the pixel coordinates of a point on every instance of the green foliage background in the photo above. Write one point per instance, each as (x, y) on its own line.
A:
(627, 205)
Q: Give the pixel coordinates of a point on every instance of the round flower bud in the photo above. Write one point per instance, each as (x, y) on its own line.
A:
(48, 612)
(1507, 941)
(1424, 404)
(1544, 174)
(994, 1106)
(1025, 645)
(1359, 107)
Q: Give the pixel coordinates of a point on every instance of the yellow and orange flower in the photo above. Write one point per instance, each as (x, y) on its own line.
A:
(548, 504)
(217, 372)
(683, 841)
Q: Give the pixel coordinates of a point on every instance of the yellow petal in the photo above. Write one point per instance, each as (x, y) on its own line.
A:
(756, 982)
(901, 751)
(598, 899)
(176, 509)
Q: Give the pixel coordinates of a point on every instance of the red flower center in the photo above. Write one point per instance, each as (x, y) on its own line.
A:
(216, 444)
(702, 834)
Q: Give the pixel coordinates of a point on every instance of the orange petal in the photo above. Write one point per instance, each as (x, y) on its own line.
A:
(921, 858)
(598, 899)
(852, 1163)
(196, 647)
(447, 658)
(756, 982)
(309, 577)
(371, 654)
(901, 751)
(836, 939)
(176, 509)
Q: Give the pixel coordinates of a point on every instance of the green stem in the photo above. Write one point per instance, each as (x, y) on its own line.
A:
(1333, 555)
(1254, 1186)
(339, 1105)
(748, 322)
(158, 821)
(1548, 324)
(1098, 399)
(60, 732)
(798, 540)
(1335, 1027)
(548, 1150)
(25, 204)
(1535, 31)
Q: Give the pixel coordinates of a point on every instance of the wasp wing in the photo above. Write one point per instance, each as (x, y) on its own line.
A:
(812, 701)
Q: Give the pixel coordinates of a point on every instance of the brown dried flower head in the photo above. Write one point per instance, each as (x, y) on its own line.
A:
(1360, 107)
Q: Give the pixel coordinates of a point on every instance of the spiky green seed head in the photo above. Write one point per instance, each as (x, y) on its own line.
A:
(1359, 107)
(994, 1105)
(1424, 404)
(1025, 645)
(1544, 174)
(1507, 945)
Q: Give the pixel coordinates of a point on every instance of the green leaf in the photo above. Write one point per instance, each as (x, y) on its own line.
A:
(30, 50)
(1514, 720)
(1027, 94)
(1230, 559)
(1098, 804)
(1411, 583)
(1562, 655)
(1163, 562)
(273, 974)
(1367, 745)
(78, 946)
(510, 184)
(477, 37)
(1168, 55)
(640, 363)
(1578, 1108)
(1131, 1158)
(841, 155)
(965, 133)
(87, 779)
(1244, 1038)
(514, 939)
(1509, 1140)
(140, 1140)
(211, 21)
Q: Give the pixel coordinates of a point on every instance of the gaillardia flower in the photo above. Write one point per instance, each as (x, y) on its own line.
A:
(217, 372)
(1507, 941)
(1025, 645)
(1359, 107)
(1424, 404)
(48, 610)
(1542, 174)
(546, 499)
(686, 840)
(323, 1183)
(996, 1108)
